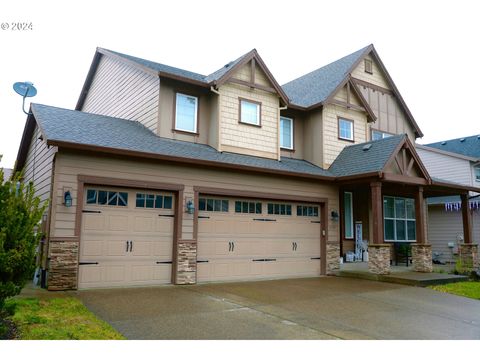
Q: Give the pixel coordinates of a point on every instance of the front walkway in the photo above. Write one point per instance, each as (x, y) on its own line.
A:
(314, 308)
(401, 274)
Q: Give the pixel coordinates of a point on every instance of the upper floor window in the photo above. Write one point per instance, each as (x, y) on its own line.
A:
(368, 66)
(377, 135)
(286, 133)
(250, 112)
(345, 129)
(477, 174)
(186, 113)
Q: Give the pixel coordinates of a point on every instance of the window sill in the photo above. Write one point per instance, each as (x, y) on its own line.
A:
(186, 132)
(245, 123)
(400, 241)
(287, 149)
(349, 140)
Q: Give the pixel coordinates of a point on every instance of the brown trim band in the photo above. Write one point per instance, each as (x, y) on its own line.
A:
(371, 86)
(97, 180)
(253, 85)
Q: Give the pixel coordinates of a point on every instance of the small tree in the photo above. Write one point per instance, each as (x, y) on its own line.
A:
(20, 213)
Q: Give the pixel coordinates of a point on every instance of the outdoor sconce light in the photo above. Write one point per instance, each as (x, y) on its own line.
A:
(190, 207)
(334, 215)
(67, 199)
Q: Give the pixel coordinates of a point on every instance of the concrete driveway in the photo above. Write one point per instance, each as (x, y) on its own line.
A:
(315, 308)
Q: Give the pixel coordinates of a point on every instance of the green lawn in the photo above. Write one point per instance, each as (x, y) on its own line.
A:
(58, 319)
(469, 289)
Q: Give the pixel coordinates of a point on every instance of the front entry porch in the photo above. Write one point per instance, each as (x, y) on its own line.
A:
(383, 213)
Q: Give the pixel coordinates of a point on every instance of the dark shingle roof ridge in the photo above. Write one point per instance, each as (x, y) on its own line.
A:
(459, 138)
(329, 64)
(467, 146)
(156, 66)
(217, 74)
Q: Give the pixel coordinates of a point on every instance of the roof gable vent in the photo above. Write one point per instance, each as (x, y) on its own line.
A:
(444, 143)
(366, 147)
(462, 140)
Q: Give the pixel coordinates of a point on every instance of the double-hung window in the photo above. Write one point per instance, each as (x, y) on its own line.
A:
(477, 173)
(286, 133)
(399, 219)
(249, 112)
(186, 113)
(345, 129)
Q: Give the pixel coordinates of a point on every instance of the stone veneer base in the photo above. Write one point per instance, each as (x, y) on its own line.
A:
(469, 257)
(186, 263)
(422, 257)
(63, 266)
(333, 258)
(379, 259)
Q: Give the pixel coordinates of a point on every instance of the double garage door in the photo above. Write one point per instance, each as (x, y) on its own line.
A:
(127, 238)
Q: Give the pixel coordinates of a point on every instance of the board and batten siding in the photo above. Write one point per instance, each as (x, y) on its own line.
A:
(332, 145)
(69, 165)
(447, 226)
(446, 167)
(39, 165)
(123, 91)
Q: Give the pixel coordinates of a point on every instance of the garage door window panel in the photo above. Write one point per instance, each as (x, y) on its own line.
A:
(217, 205)
(248, 207)
(307, 210)
(109, 198)
(279, 209)
(153, 201)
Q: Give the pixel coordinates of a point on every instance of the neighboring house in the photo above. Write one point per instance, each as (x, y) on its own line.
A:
(456, 160)
(6, 173)
(162, 175)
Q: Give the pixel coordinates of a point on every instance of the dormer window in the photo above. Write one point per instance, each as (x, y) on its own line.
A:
(345, 129)
(186, 113)
(368, 66)
(250, 112)
(286, 133)
(477, 174)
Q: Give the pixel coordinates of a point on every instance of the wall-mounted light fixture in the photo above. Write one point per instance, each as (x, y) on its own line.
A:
(67, 198)
(190, 207)
(334, 215)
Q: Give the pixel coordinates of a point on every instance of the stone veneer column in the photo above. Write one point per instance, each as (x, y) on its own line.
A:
(422, 257)
(379, 258)
(63, 266)
(333, 258)
(186, 263)
(469, 257)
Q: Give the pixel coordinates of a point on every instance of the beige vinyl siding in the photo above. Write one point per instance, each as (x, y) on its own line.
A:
(69, 166)
(446, 167)
(247, 139)
(123, 91)
(39, 165)
(332, 145)
(313, 138)
(377, 77)
(446, 226)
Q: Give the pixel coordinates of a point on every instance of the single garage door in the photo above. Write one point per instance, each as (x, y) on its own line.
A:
(250, 239)
(126, 238)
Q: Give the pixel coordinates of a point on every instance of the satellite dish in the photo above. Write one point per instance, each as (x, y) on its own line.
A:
(25, 89)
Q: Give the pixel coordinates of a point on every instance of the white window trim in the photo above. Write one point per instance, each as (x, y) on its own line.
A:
(195, 114)
(351, 213)
(258, 112)
(350, 122)
(395, 222)
(291, 132)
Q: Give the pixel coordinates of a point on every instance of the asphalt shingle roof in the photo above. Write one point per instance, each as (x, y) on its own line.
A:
(315, 87)
(98, 130)
(354, 160)
(468, 146)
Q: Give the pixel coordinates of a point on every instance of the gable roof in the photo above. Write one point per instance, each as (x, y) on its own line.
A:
(467, 146)
(354, 160)
(318, 87)
(315, 87)
(81, 130)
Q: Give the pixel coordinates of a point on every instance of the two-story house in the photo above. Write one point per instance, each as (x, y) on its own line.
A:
(162, 175)
(456, 160)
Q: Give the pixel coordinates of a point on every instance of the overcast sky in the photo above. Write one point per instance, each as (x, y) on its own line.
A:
(430, 48)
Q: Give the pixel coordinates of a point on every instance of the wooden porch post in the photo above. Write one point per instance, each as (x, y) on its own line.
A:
(420, 216)
(467, 220)
(377, 217)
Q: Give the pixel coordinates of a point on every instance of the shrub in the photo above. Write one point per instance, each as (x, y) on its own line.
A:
(20, 213)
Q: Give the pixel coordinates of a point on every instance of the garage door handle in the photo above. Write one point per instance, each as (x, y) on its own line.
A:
(203, 217)
(164, 262)
(131, 245)
(269, 259)
(127, 246)
(315, 222)
(261, 219)
(166, 215)
(202, 261)
(88, 263)
(258, 260)
(315, 258)
(229, 246)
(92, 211)
(233, 246)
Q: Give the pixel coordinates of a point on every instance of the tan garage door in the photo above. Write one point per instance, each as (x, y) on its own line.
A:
(126, 238)
(242, 239)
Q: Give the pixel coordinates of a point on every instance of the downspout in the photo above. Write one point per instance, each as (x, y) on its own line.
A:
(219, 132)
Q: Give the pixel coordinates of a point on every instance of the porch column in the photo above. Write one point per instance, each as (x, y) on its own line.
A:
(468, 250)
(378, 251)
(421, 251)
